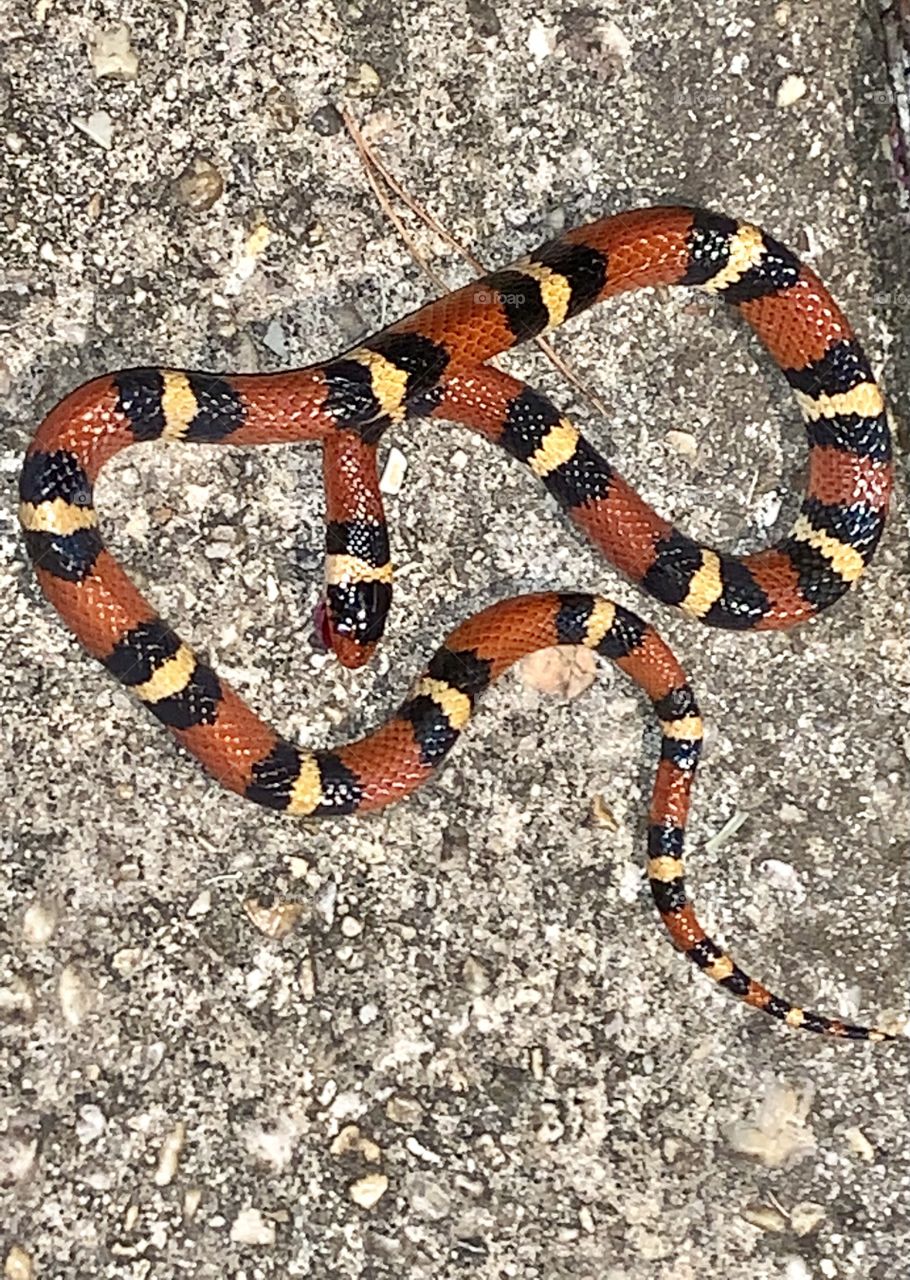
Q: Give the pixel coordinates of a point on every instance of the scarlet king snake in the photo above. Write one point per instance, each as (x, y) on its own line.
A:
(434, 363)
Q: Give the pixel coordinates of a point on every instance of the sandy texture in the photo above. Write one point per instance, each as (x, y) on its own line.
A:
(473, 1054)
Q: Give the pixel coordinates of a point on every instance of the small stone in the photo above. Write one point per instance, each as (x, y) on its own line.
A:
(790, 90)
(859, 1144)
(274, 921)
(779, 1135)
(683, 443)
(169, 1155)
(249, 1227)
(367, 1192)
(200, 905)
(275, 339)
(112, 55)
(351, 927)
(77, 999)
(367, 1014)
(306, 978)
(350, 1139)
(541, 40)
(39, 923)
(327, 121)
(192, 1198)
(98, 127)
(768, 509)
(474, 976)
(19, 1265)
(393, 473)
(91, 1124)
(200, 185)
(94, 206)
(404, 1110)
(365, 82)
(602, 815)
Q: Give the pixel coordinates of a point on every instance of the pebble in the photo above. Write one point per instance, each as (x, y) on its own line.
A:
(765, 1217)
(169, 1155)
(249, 1227)
(77, 999)
(859, 1144)
(282, 107)
(806, 1217)
(192, 1199)
(112, 55)
(200, 905)
(327, 121)
(91, 1124)
(98, 127)
(790, 90)
(275, 921)
(474, 976)
(404, 1110)
(564, 672)
(351, 1140)
(367, 1192)
(365, 82)
(19, 1265)
(541, 40)
(306, 978)
(393, 473)
(683, 443)
(200, 185)
(351, 927)
(39, 923)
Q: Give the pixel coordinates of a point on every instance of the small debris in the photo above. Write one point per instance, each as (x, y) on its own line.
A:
(18, 1265)
(98, 127)
(365, 82)
(282, 107)
(200, 905)
(327, 121)
(77, 999)
(169, 1155)
(683, 443)
(474, 976)
(192, 1198)
(404, 1110)
(565, 671)
(367, 1192)
(276, 921)
(859, 1144)
(768, 508)
(306, 978)
(350, 1139)
(249, 1227)
(428, 1198)
(90, 1124)
(275, 339)
(806, 1217)
(541, 40)
(727, 831)
(112, 54)
(779, 1134)
(351, 927)
(790, 90)
(396, 464)
(602, 815)
(200, 185)
(765, 1217)
(39, 923)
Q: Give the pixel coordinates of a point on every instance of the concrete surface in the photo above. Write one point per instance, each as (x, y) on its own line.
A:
(475, 1025)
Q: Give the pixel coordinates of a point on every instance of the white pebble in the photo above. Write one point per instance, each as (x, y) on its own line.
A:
(249, 1227)
(684, 443)
(790, 90)
(200, 905)
(91, 1124)
(541, 40)
(396, 464)
(18, 1265)
(39, 923)
(367, 1192)
(98, 127)
(351, 927)
(112, 55)
(75, 995)
(169, 1155)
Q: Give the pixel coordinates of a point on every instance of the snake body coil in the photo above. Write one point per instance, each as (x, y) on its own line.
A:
(434, 363)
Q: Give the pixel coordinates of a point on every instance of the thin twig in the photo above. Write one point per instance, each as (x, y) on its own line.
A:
(373, 166)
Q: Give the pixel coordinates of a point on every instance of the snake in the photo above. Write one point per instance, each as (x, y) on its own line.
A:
(434, 363)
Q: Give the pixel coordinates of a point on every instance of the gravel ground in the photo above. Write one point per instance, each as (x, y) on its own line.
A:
(472, 1053)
